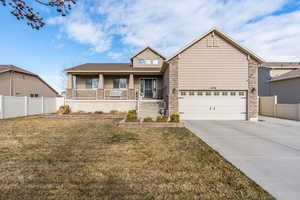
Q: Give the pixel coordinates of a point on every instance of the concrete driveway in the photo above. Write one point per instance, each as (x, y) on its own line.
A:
(267, 151)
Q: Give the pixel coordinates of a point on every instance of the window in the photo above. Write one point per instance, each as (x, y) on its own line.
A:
(36, 95)
(216, 93)
(141, 61)
(192, 93)
(155, 62)
(148, 62)
(120, 83)
(183, 93)
(224, 93)
(208, 93)
(91, 83)
(232, 93)
(241, 93)
(31, 95)
(200, 93)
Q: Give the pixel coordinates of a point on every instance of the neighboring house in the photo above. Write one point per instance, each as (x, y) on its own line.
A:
(212, 78)
(271, 70)
(286, 87)
(15, 81)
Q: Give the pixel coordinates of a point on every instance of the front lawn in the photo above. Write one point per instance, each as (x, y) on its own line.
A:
(68, 159)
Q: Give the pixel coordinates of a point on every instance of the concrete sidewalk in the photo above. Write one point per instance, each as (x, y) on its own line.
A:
(267, 151)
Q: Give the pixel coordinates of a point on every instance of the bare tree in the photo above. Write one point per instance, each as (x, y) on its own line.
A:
(22, 11)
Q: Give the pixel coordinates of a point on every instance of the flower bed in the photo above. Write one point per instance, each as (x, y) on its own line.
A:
(123, 123)
(86, 116)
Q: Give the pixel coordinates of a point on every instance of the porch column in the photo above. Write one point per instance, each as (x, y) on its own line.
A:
(131, 90)
(100, 89)
(131, 82)
(69, 90)
(70, 81)
(101, 81)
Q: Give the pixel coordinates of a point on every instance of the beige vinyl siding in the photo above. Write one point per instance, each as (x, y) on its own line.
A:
(26, 84)
(203, 68)
(5, 84)
(147, 54)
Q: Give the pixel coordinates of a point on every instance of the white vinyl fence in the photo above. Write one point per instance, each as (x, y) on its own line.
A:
(268, 106)
(11, 106)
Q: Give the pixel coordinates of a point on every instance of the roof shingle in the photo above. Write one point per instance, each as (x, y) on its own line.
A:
(109, 67)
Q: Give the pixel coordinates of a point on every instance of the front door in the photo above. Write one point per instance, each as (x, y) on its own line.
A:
(148, 87)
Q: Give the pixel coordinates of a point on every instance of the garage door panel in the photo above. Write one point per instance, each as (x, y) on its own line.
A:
(213, 107)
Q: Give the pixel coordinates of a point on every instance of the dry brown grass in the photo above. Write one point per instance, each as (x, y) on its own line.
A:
(93, 159)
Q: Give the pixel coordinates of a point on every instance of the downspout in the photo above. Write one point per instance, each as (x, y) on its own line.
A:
(10, 83)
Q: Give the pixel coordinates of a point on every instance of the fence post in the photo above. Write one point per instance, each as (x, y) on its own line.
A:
(42, 104)
(275, 106)
(26, 105)
(298, 112)
(1, 107)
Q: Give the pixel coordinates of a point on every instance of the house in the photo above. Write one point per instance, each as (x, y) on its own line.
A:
(270, 70)
(15, 81)
(286, 87)
(212, 78)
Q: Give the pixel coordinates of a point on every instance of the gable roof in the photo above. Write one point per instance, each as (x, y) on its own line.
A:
(290, 75)
(225, 37)
(151, 49)
(8, 68)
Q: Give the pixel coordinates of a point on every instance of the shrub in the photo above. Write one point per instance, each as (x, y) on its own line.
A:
(64, 109)
(99, 112)
(148, 119)
(163, 118)
(114, 112)
(132, 112)
(132, 117)
(80, 112)
(175, 118)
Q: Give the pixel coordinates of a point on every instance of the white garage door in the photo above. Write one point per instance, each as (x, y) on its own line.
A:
(213, 105)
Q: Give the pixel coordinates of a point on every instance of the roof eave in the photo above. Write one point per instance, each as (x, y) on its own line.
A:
(284, 79)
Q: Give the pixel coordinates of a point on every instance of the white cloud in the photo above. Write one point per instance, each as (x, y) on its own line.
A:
(116, 55)
(81, 28)
(167, 25)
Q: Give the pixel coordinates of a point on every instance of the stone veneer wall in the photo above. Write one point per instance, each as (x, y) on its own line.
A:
(253, 90)
(173, 86)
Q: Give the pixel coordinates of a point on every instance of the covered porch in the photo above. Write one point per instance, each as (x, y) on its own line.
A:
(114, 86)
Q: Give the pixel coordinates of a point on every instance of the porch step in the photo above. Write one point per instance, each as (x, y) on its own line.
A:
(149, 109)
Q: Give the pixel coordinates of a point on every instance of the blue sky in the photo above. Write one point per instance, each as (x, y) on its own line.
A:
(113, 30)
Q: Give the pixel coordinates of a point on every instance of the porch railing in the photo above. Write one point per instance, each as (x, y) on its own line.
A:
(102, 94)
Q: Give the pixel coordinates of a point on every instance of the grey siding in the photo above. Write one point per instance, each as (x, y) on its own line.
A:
(263, 81)
(288, 91)
(147, 54)
(203, 67)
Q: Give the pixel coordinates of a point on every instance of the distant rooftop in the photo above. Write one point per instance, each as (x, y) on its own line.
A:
(290, 75)
(282, 64)
(5, 68)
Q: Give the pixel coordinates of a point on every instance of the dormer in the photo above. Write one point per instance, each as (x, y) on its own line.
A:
(147, 58)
